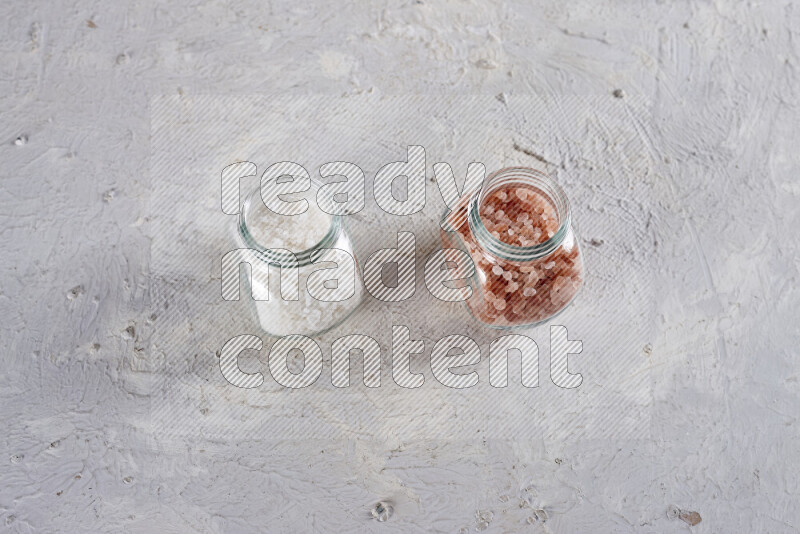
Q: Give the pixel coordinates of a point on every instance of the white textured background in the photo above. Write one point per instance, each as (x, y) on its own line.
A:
(77, 451)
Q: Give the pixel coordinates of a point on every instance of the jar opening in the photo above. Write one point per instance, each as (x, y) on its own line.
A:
(253, 205)
(524, 178)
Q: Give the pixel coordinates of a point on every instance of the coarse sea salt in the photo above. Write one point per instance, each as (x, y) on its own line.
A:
(302, 234)
(293, 232)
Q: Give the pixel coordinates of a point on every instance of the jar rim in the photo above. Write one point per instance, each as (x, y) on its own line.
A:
(531, 178)
(296, 258)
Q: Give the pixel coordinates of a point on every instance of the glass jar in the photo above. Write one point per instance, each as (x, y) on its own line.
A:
(519, 232)
(321, 302)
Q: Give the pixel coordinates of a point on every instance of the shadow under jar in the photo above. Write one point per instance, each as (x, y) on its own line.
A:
(519, 232)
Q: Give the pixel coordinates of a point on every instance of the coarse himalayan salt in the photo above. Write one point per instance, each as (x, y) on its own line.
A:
(520, 293)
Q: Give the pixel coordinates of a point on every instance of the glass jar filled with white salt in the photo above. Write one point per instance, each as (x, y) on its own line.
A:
(305, 278)
(521, 236)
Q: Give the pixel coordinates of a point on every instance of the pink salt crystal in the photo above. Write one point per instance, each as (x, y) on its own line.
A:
(558, 291)
(502, 196)
(497, 270)
(510, 231)
(549, 265)
(489, 296)
(527, 268)
(495, 233)
(507, 275)
(529, 291)
(522, 193)
(499, 214)
(500, 304)
(533, 277)
(488, 210)
(511, 287)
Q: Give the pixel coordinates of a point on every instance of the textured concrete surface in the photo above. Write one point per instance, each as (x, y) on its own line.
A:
(78, 448)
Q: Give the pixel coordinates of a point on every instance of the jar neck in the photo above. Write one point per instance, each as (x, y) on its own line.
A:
(282, 257)
(525, 177)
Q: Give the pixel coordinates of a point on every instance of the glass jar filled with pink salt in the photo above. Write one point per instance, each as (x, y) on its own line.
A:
(519, 232)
